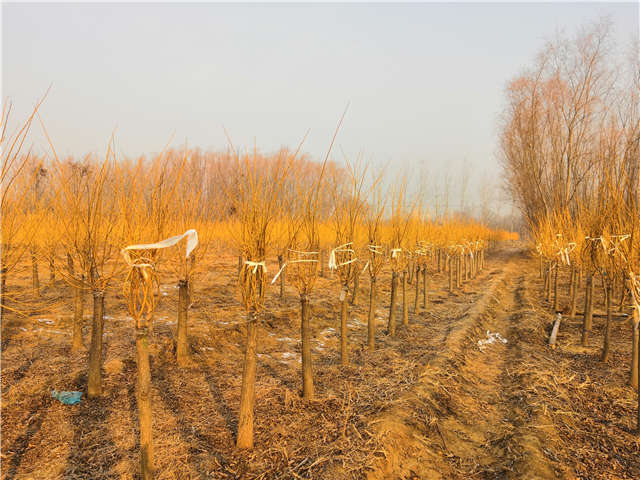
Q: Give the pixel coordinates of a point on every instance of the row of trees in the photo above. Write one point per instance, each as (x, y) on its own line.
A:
(77, 215)
(571, 153)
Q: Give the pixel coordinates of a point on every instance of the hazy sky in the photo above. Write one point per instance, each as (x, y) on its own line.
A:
(425, 82)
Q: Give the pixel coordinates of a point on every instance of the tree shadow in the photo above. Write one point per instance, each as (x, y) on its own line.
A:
(190, 434)
(90, 416)
(37, 416)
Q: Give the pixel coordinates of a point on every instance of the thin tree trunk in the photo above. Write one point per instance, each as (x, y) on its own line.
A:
(371, 321)
(321, 263)
(607, 328)
(546, 281)
(52, 268)
(391, 327)
(549, 282)
(78, 316)
(450, 275)
(623, 295)
(417, 285)
(635, 355)
(247, 394)
(282, 273)
(182, 342)
(305, 334)
(556, 300)
(3, 291)
(34, 275)
(571, 281)
(405, 300)
(70, 266)
(356, 285)
(94, 387)
(240, 263)
(541, 267)
(439, 256)
(425, 298)
(573, 293)
(458, 271)
(587, 320)
(466, 267)
(144, 403)
(344, 340)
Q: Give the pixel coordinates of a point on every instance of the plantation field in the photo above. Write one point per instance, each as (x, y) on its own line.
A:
(427, 403)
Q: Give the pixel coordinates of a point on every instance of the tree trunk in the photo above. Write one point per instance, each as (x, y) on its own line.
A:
(439, 256)
(465, 272)
(305, 334)
(371, 321)
(34, 275)
(450, 275)
(556, 300)
(94, 387)
(546, 281)
(240, 263)
(458, 271)
(607, 327)
(356, 285)
(541, 267)
(247, 394)
(635, 355)
(623, 295)
(321, 263)
(282, 273)
(573, 293)
(52, 268)
(405, 300)
(344, 341)
(144, 403)
(416, 276)
(587, 320)
(3, 291)
(425, 298)
(78, 316)
(182, 342)
(391, 327)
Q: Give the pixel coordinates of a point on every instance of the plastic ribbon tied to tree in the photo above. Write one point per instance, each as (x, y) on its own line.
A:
(138, 286)
(342, 251)
(373, 250)
(302, 257)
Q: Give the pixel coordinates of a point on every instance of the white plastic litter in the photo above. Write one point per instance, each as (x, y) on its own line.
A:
(491, 338)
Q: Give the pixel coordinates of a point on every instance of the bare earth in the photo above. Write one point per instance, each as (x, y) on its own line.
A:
(426, 404)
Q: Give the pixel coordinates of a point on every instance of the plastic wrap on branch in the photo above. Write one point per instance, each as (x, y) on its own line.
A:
(192, 243)
(342, 250)
(303, 257)
(138, 287)
(255, 266)
(373, 251)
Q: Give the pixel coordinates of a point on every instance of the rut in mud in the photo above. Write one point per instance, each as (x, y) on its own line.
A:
(494, 410)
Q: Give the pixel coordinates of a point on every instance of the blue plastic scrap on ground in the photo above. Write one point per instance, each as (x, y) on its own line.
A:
(68, 398)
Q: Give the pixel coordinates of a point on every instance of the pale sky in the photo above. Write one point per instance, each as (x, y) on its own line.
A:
(425, 82)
